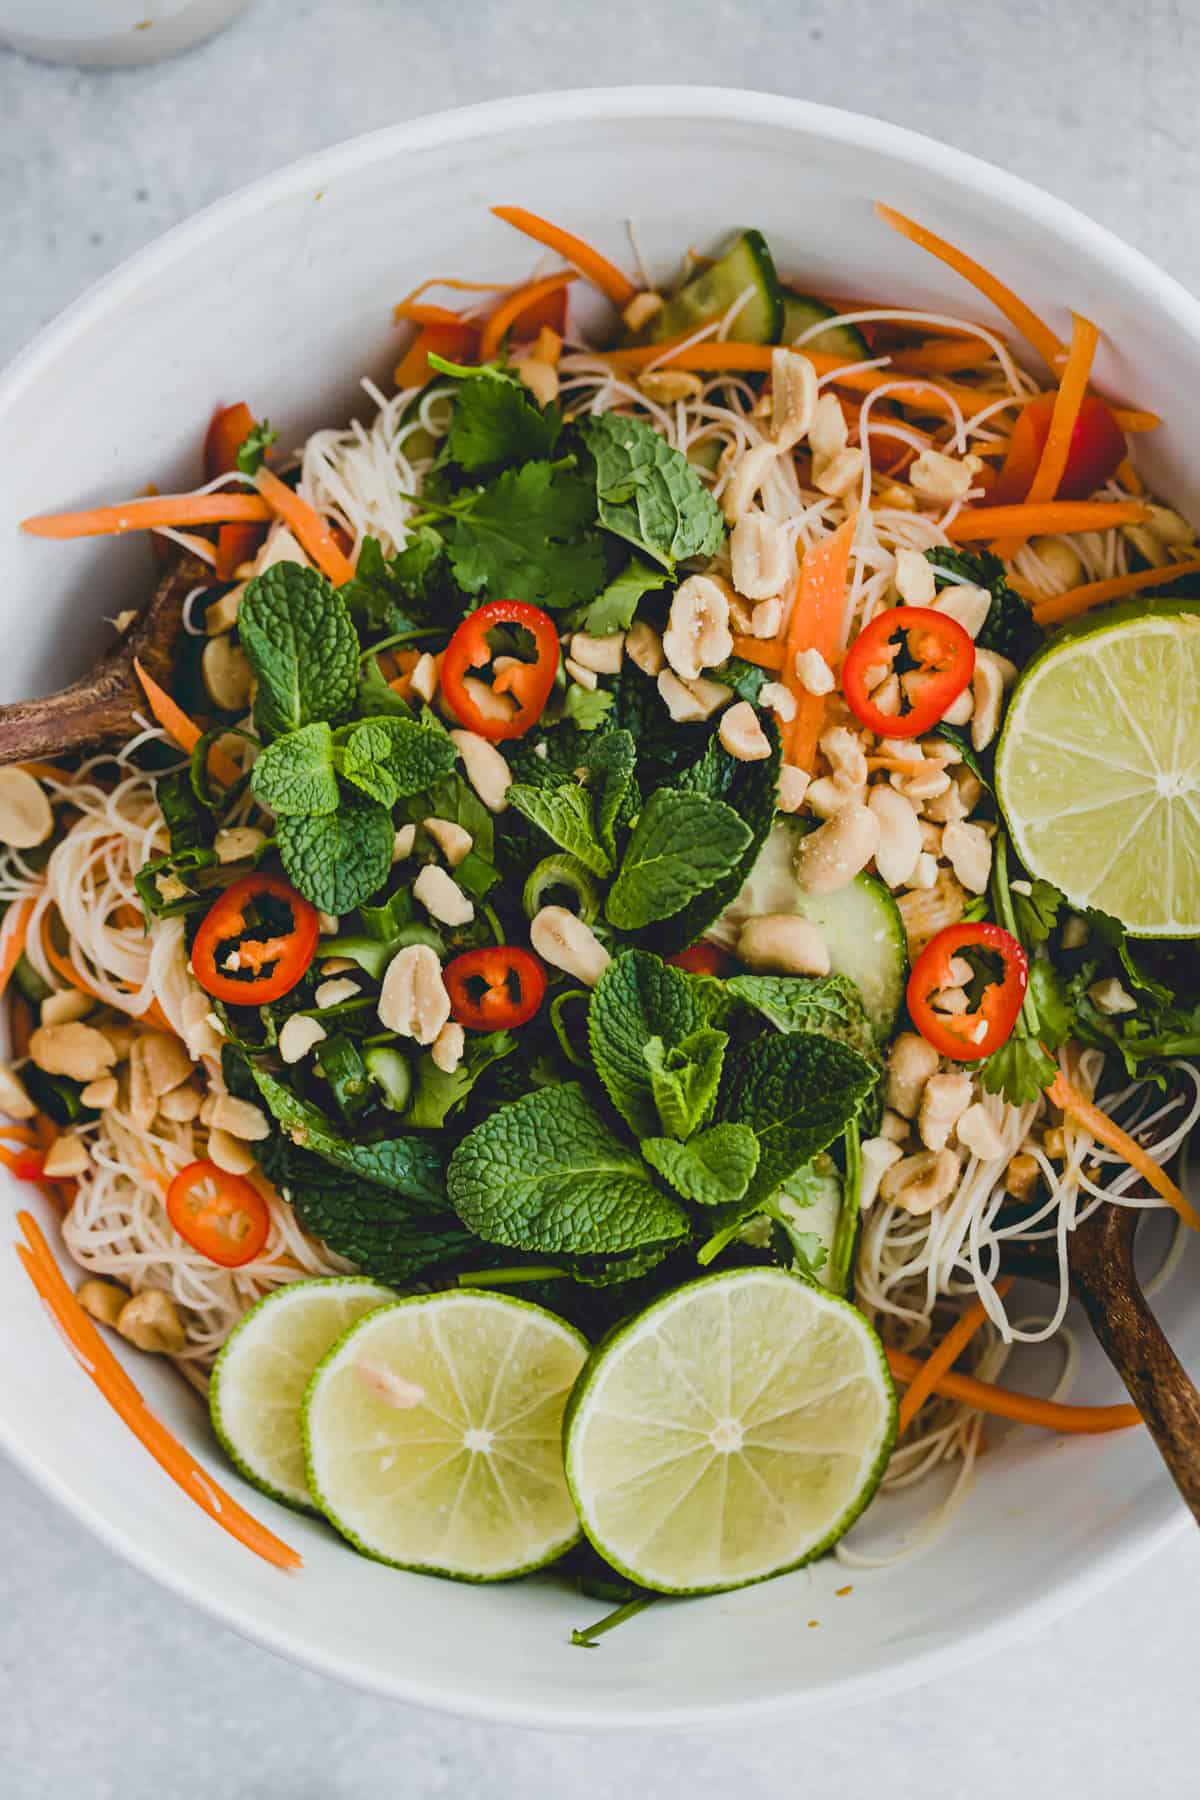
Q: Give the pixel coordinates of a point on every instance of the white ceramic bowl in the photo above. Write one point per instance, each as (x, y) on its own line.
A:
(282, 295)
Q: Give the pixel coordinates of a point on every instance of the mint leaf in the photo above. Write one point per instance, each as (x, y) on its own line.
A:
(298, 635)
(529, 533)
(587, 707)
(381, 589)
(649, 494)
(338, 860)
(609, 763)
(438, 1095)
(613, 610)
(681, 845)
(684, 1079)
(407, 1166)
(830, 1004)
(564, 813)
(750, 790)
(797, 1092)
(390, 759)
(497, 420)
(637, 998)
(545, 1173)
(713, 1169)
(295, 774)
(254, 446)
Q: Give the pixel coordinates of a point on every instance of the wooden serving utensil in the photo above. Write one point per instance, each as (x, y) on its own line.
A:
(1105, 1282)
(96, 712)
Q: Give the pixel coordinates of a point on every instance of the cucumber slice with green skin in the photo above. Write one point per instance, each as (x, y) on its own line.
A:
(861, 924)
(710, 294)
(828, 1212)
(390, 1072)
(801, 312)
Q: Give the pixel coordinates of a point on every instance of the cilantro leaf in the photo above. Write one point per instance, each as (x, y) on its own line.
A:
(383, 592)
(684, 1078)
(637, 998)
(712, 1169)
(295, 774)
(954, 734)
(829, 1004)
(564, 813)
(529, 532)
(340, 859)
(649, 494)
(1010, 627)
(297, 632)
(746, 679)
(1037, 912)
(1019, 1070)
(546, 1174)
(613, 610)
(390, 759)
(439, 1095)
(497, 420)
(409, 1166)
(587, 707)
(681, 845)
(253, 448)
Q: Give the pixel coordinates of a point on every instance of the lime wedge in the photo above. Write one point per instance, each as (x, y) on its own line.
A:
(1098, 769)
(434, 1434)
(258, 1382)
(734, 1430)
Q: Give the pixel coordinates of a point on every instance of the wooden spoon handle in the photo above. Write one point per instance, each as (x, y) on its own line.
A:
(1134, 1342)
(88, 716)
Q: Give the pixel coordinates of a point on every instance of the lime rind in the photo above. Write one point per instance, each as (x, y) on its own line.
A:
(583, 1411)
(251, 1337)
(560, 1530)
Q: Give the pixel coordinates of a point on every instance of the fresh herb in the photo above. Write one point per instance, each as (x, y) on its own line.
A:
(681, 846)
(711, 1169)
(1010, 627)
(746, 679)
(637, 998)
(829, 1004)
(648, 494)
(564, 814)
(684, 1078)
(254, 446)
(546, 1174)
(750, 790)
(613, 610)
(530, 531)
(954, 734)
(585, 1638)
(587, 707)
(608, 768)
(496, 419)
(297, 632)
(1022, 1067)
(340, 859)
(391, 759)
(295, 774)
(439, 1095)
(385, 593)
(408, 1166)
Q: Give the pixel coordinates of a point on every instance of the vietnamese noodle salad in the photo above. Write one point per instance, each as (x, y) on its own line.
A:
(661, 853)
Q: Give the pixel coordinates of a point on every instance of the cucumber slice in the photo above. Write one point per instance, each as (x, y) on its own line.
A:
(710, 294)
(801, 311)
(823, 1210)
(391, 1074)
(861, 924)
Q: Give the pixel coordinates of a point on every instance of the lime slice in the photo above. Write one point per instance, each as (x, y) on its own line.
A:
(434, 1434)
(258, 1381)
(734, 1430)
(1098, 769)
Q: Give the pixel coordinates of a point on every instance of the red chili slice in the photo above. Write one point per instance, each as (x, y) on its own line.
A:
(496, 988)
(1097, 449)
(222, 1216)
(967, 1036)
(269, 962)
(528, 683)
(702, 959)
(941, 652)
(228, 431)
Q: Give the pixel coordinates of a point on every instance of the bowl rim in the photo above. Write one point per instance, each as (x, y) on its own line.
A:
(1137, 1537)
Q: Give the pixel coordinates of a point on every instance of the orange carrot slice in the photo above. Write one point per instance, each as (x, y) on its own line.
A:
(591, 265)
(308, 526)
(1106, 1131)
(500, 322)
(457, 343)
(1004, 1403)
(944, 1356)
(12, 944)
(144, 515)
(815, 624)
(185, 732)
(1077, 600)
(1053, 516)
(764, 653)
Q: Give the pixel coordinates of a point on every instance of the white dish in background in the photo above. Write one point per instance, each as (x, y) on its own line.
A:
(298, 273)
(111, 33)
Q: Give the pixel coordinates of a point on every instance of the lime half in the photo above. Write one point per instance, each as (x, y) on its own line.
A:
(434, 1434)
(258, 1383)
(1098, 769)
(734, 1430)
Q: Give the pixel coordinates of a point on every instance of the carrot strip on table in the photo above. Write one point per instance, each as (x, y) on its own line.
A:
(499, 322)
(1023, 318)
(309, 527)
(815, 624)
(1106, 1131)
(1053, 516)
(12, 943)
(114, 1382)
(184, 731)
(1078, 600)
(144, 515)
(1005, 1403)
(595, 268)
(944, 1356)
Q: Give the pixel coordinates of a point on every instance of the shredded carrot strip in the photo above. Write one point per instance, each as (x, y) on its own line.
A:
(1131, 419)
(421, 313)
(591, 265)
(457, 343)
(114, 1382)
(66, 969)
(310, 528)
(1106, 1131)
(143, 515)
(184, 731)
(24, 1165)
(987, 1397)
(1079, 600)
(945, 357)
(1067, 402)
(1129, 478)
(764, 653)
(944, 1356)
(13, 942)
(1020, 316)
(1052, 517)
(509, 310)
(21, 1134)
(452, 281)
(815, 624)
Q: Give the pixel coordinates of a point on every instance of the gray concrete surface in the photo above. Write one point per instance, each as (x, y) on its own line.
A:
(111, 1690)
